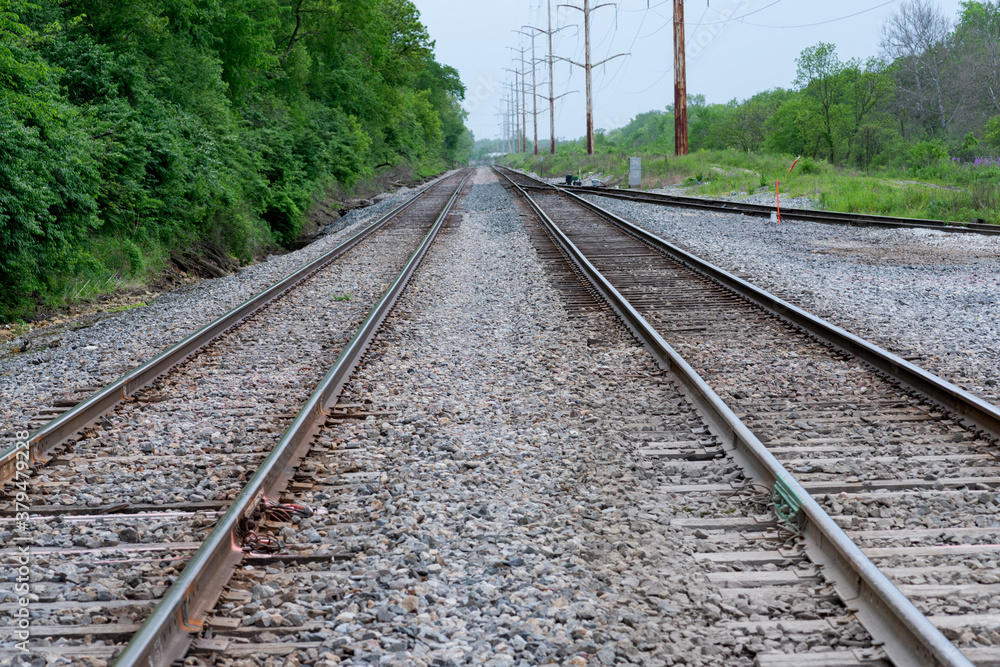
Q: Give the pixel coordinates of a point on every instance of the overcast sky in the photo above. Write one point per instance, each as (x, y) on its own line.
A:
(735, 48)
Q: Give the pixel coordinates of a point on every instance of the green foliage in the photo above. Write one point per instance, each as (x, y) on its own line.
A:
(133, 128)
(46, 173)
(991, 136)
(749, 124)
(927, 153)
(861, 148)
(970, 149)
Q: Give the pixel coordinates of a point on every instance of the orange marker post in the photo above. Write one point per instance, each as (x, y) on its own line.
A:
(777, 192)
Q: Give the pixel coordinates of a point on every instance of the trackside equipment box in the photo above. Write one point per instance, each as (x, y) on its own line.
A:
(634, 172)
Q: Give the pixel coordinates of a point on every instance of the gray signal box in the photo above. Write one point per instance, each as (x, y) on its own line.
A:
(634, 172)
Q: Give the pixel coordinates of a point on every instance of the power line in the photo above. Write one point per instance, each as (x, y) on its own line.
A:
(634, 39)
(739, 18)
(669, 71)
(634, 11)
(810, 25)
(655, 83)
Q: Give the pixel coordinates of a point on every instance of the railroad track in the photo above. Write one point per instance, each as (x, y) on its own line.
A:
(904, 462)
(803, 214)
(759, 568)
(136, 521)
(406, 581)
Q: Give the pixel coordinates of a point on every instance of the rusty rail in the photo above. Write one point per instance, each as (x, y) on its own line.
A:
(35, 449)
(168, 630)
(908, 637)
(802, 214)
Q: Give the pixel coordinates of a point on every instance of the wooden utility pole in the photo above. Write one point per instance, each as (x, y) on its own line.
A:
(552, 86)
(511, 119)
(534, 84)
(517, 109)
(588, 67)
(507, 119)
(680, 82)
(516, 120)
(524, 99)
(552, 79)
(502, 115)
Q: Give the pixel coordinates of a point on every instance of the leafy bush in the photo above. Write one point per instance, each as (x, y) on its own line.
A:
(927, 153)
(130, 129)
(991, 136)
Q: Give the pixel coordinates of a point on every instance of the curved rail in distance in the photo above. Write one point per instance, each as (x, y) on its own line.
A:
(802, 214)
(972, 408)
(909, 637)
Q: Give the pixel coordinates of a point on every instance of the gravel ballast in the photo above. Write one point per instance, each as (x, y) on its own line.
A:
(497, 512)
(189, 441)
(61, 360)
(927, 295)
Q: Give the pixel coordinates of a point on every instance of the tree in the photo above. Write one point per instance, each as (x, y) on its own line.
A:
(649, 129)
(991, 136)
(818, 70)
(838, 99)
(47, 177)
(916, 38)
(707, 123)
(130, 130)
(749, 124)
(868, 90)
(978, 37)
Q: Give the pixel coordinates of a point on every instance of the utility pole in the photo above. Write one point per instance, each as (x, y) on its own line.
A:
(524, 111)
(506, 120)
(515, 119)
(680, 82)
(517, 109)
(510, 120)
(502, 115)
(552, 88)
(505, 105)
(588, 67)
(552, 79)
(534, 85)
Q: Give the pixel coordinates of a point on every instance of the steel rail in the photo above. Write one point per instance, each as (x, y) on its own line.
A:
(802, 214)
(908, 637)
(166, 633)
(969, 406)
(42, 441)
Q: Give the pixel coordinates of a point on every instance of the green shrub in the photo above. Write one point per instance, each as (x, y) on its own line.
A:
(991, 136)
(927, 153)
(130, 129)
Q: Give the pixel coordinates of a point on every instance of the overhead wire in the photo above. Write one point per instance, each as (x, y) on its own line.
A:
(612, 31)
(670, 71)
(731, 19)
(659, 4)
(701, 22)
(810, 25)
(629, 53)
